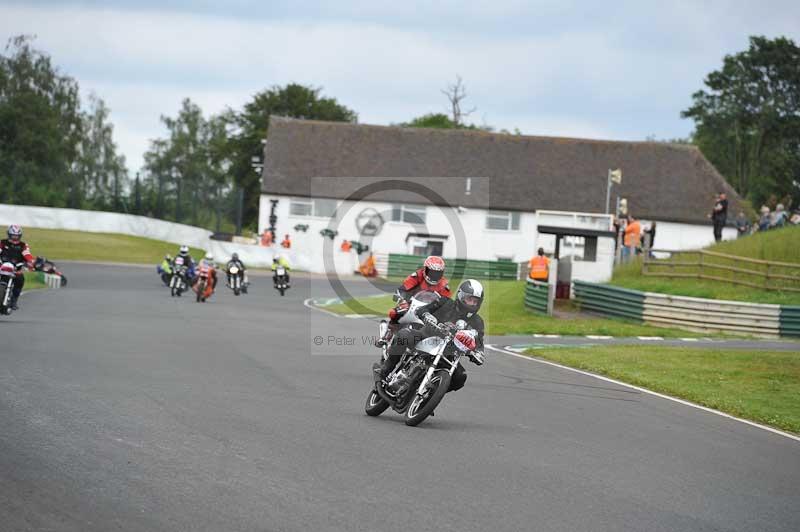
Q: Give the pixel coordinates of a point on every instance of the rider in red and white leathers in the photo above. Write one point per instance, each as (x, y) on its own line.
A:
(14, 250)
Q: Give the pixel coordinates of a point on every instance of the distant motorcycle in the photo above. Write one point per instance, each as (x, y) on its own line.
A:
(281, 282)
(177, 283)
(204, 286)
(236, 280)
(43, 265)
(8, 276)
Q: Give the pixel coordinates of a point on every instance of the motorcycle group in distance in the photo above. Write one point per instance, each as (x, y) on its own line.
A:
(423, 343)
(181, 273)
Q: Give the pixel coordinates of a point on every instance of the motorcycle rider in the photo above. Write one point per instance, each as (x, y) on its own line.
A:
(428, 278)
(235, 261)
(14, 250)
(469, 298)
(208, 261)
(280, 260)
(183, 253)
(165, 269)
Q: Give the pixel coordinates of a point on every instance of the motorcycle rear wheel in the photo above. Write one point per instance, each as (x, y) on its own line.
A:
(423, 406)
(375, 404)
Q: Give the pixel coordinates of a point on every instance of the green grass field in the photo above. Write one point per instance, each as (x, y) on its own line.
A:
(781, 245)
(504, 313)
(762, 386)
(33, 281)
(58, 245)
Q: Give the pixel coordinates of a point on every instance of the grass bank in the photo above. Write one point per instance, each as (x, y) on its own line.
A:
(56, 244)
(504, 312)
(33, 281)
(762, 386)
(782, 245)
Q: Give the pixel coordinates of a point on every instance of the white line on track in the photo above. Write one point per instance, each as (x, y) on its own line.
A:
(689, 340)
(309, 304)
(650, 338)
(649, 392)
(596, 337)
(547, 336)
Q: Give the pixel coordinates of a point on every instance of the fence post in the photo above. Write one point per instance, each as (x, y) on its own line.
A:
(552, 280)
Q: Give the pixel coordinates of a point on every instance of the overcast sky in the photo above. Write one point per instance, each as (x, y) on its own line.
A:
(616, 70)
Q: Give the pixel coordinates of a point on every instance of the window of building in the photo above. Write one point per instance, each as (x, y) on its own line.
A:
(502, 220)
(319, 207)
(410, 214)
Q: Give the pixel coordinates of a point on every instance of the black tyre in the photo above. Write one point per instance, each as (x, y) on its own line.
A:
(282, 289)
(423, 406)
(63, 281)
(200, 289)
(236, 291)
(375, 404)
(174, 291)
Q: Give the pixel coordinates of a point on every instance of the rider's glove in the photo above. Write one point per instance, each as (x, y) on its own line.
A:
(477, 357)
(430, 320)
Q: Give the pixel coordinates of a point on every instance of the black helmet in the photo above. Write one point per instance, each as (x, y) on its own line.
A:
(469, 296)
(235, 256)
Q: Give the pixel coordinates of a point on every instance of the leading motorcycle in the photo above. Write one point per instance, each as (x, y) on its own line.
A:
(418, 383)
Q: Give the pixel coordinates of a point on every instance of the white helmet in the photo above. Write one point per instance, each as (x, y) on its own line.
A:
(184, 250)
(209, 257)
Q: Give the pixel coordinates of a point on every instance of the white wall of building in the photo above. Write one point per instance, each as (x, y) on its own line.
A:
(480, 243)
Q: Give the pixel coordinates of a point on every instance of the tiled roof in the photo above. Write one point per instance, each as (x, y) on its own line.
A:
(661, 181)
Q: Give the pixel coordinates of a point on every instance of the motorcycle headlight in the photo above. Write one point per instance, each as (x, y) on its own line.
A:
(234, 270)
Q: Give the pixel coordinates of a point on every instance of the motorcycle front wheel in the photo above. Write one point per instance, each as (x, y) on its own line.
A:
(375, 404)
(423, 405)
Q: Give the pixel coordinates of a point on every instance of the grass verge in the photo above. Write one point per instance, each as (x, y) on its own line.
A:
(33, 281)
(504, 313)
(782, 245)
(762, 386)
(56, 244)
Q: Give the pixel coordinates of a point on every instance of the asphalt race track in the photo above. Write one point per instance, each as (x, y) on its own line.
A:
(124, 409)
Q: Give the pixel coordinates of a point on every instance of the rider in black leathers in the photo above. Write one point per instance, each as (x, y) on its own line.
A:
(468, 301)
(235, 261)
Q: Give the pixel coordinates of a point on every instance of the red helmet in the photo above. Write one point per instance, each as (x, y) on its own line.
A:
(433, 269)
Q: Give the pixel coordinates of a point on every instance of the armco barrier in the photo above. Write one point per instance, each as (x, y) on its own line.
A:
(790, 321)
(536, 296)
(611, 300)
(402, 265)
(690, 313)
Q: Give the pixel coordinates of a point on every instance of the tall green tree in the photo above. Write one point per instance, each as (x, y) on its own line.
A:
(250, 126)
(747, 119)
(41, 128)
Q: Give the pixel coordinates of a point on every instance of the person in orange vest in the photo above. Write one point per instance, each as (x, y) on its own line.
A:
(346, 246)
(539, 266)
(367, 268)
(287, 242)
(633, 235)
(266, 238)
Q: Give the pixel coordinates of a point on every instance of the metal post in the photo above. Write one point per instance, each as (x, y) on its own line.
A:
(239, 209)
(552, 281)
(608, 191)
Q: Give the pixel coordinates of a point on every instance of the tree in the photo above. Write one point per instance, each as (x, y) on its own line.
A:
(748, 120)
(250, 126)
(41, 128)
(457, 93)
(101, 169)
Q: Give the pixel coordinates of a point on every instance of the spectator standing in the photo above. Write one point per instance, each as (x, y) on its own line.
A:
(539, 266)
(266, 238)
(719, 215)
(651, 236)
(633, 236)
(346, 246)
(368, 268)
(287, 242)
(743, 225)
(765, 219)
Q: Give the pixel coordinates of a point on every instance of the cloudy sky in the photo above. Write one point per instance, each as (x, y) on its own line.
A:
(617, 70)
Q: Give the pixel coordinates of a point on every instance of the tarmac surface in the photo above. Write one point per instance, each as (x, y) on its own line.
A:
(122, 408)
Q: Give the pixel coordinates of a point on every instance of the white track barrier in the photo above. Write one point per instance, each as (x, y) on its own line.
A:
(129, 224)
